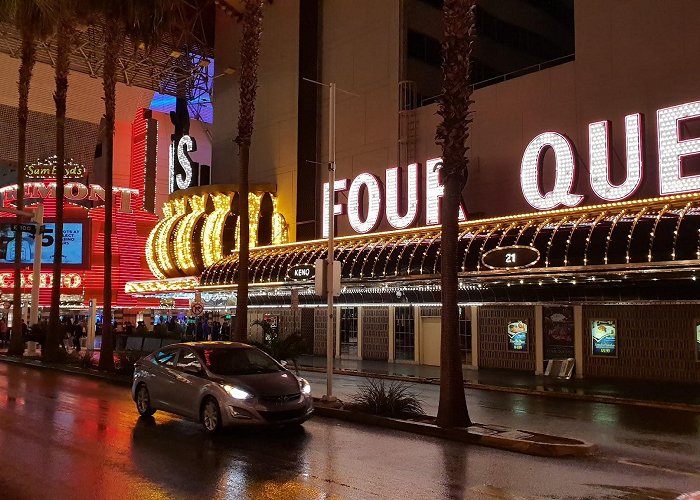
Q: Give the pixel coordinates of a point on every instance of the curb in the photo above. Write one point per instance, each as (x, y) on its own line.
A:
(519, 390)
(482, 435)
(94, 374)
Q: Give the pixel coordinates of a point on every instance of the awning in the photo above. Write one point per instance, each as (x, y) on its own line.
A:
(621, 240)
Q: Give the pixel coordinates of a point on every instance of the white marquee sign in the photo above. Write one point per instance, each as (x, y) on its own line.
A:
(398, 217)
(671, 151)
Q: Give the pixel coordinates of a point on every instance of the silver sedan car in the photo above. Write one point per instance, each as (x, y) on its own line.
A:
(220, 384)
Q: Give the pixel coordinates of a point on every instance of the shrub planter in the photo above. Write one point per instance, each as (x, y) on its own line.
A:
(493, 436)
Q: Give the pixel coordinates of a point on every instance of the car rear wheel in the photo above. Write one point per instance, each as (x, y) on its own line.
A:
(143, 401)
(211, 416)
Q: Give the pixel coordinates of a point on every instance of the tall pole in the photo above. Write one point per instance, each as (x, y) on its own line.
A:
(331, 250)
(36, 274)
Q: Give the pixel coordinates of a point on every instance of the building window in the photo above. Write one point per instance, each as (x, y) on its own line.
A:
(424, 48)
(405, 333)
(348, 332)
(465, 334)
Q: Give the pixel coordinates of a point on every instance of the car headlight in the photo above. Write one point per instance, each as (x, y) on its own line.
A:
(236, 393)
(304, 386)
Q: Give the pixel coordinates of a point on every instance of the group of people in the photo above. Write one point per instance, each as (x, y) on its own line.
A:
(206, 329)
(73, 331)
(76, 328)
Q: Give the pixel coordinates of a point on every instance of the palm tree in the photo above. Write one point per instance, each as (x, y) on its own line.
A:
(250, 52)
(33, 20)
(64, 29)
(114, 39)
(452, 134)
(143, 21)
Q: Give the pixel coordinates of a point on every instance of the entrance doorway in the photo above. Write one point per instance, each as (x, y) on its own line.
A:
(348, 332)
(430, 340)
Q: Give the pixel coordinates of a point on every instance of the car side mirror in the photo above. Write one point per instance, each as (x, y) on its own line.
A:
(283, 362)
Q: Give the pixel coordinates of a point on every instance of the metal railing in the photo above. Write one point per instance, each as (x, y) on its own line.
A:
(508, 76)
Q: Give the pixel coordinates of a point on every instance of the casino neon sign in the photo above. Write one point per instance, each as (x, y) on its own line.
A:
(671, 152)
(68, 280)
(74, 191)
(398, 217)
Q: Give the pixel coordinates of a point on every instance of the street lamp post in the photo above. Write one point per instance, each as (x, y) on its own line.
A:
(330, 265)
(331, 249)
(36, 273)
(37, 216)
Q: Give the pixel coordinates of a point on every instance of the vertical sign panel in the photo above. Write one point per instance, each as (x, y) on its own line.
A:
(517, 336)
(604, 337)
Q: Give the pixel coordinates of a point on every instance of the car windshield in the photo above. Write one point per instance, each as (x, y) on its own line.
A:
(240, 361)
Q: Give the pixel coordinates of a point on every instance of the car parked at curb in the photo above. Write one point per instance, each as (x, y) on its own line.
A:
(220, 384)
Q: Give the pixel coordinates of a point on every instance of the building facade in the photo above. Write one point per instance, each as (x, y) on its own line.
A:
(584, 165)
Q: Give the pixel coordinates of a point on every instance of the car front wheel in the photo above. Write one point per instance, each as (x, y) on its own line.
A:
(211, 416)
(143, 401)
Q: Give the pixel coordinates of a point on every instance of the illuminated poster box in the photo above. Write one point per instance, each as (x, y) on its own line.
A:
(73, 244)
(517, 336)
(604, 337)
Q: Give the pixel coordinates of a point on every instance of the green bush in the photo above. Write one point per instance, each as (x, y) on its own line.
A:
(125, 361)
(395, 399)
(280, 348)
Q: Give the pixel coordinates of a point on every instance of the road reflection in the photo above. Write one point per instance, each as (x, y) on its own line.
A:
(237, 463)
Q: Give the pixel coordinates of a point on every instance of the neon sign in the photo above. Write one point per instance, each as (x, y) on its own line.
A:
(671, 152)
(47, 169)
(68, 280)
(369, 184)
(74, 191)
(185, 145)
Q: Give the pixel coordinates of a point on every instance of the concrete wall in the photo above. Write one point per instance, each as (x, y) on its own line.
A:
(360, 40)
(273, 157)
(654, 342)
(631, 56)
(375, 333)
(493, 337)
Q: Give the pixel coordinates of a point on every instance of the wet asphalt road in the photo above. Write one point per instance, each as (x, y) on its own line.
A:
(645, 436)
(70, 437)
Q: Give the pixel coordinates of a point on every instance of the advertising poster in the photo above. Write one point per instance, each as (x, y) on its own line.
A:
(517, 336)
(604, 335)
(72, 244)
(697, 339)
(558, 332)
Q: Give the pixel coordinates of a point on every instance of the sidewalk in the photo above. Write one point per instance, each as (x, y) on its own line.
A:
(634, 392)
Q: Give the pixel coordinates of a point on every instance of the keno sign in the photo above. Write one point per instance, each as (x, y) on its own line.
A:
(399, 217)
(671, 151)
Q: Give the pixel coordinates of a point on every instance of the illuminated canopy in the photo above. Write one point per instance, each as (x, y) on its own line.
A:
(200, 227)
(625, 236)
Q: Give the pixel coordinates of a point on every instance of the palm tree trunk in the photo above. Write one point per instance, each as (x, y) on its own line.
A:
(109, 83)
(241, 334)
(27, 60)
(452, 134)
(250, 52)
(54, 336)
(452, 409)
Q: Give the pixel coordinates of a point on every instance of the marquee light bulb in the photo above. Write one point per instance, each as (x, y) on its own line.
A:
(187, 144)
(565, 170)
(374, 203)
(599, 149)
(434, 190)
(339, 186)
(672, 149)
(393, 197)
